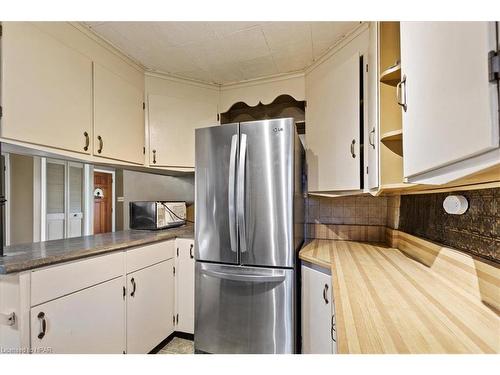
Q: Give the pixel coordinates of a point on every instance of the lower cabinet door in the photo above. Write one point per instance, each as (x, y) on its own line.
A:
(89, 321)
(184, 284)
(150, 306)
(317, 318)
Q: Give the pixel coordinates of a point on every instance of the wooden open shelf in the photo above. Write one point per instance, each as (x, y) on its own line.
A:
(392, 136)
(392, 75)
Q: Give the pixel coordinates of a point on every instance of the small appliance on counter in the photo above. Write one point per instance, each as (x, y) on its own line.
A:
(155, 215)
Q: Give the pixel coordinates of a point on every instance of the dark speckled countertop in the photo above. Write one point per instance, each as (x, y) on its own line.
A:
(28, 256)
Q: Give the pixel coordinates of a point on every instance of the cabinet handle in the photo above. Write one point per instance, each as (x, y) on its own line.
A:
(191, 255)
(372, 133)
(87, 141)
(325, 295)
(101, 143)
(154, 156)
(352, 148)
(43, 324)
(401, 88)
(134, 286)
(332, 330)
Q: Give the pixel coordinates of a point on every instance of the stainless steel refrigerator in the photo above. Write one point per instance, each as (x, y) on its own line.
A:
(248, 229)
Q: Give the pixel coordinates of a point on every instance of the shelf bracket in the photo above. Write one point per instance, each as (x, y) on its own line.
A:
(7, 319)
(493, 66)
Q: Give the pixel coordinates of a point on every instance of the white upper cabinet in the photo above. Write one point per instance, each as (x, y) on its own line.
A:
(118, 117)
(450, 123)
(175, 110)
(372, 120)
(46, 90)
(333, 120)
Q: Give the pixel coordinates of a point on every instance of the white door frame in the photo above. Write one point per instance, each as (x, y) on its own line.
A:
(112, 173)
(6, 156)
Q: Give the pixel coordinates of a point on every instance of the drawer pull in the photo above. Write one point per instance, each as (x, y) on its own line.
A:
(134, 287)
(154, 156)
(370, 138)
(325, 295)
(43, 325)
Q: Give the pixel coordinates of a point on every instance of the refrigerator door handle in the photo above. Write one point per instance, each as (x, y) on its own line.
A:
(274, 277)
(230, 194)
(241, 194)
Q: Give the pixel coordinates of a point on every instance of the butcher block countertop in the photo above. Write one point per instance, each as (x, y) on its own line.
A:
(386, 302)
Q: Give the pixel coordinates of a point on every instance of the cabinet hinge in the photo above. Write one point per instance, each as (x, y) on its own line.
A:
(1, 111)
(367, 68)
(177, 251)
(1, 30)
(366, 170)
(144, 150)
(218, 117)
(177, 319)
(173, 319)
(143, 105)
(174, 270)
(493, 66)
(124, 292)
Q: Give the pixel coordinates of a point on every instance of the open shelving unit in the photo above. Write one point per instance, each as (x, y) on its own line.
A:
(391, 132)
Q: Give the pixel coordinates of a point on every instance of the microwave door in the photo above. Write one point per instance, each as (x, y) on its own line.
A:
(215, 191)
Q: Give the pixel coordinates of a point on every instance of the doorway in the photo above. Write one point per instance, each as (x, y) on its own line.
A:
(103, 201)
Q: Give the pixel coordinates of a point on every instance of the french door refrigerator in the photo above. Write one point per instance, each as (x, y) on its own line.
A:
(248, 229)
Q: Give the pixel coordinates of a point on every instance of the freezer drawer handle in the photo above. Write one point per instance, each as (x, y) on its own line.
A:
(241, 194)
(230, 194)
(325, 295)
(242, 277)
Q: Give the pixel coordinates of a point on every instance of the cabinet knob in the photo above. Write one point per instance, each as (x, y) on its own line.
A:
(101, 144)
(87, 141)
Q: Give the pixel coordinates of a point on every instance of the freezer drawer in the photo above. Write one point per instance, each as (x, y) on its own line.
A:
(244, 309)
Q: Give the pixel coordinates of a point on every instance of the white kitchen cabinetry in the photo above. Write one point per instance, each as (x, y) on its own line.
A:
(89, 321)
(372, 120)
(175, 109)
(333, 119)
(150, 306)
(184, 286)
(118, 117)
(318, 313)
(450, 118)
(46, 90)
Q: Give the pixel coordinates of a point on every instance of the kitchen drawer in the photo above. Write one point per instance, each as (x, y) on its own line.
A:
(146, 256)
(53, 282)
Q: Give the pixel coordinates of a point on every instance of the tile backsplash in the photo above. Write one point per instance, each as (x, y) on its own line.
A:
(476, 232)
(357, 218)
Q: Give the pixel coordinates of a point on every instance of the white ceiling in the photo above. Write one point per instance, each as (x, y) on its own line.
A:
(223, 52)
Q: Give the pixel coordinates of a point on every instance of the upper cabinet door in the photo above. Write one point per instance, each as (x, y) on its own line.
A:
(451, 107)
(46, 90)
(333, 123)
(372, 128)
(172, 121)
(118, 117)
